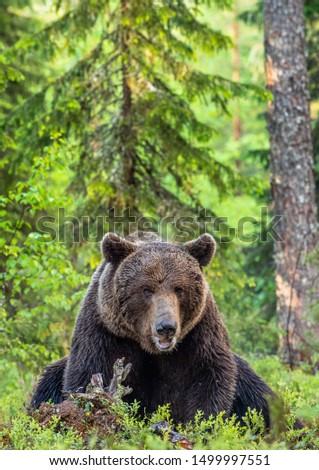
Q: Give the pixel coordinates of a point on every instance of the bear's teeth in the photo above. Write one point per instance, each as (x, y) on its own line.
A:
(164, 344)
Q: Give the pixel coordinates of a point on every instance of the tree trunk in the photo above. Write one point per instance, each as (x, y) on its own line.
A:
(128, 137)
(292, 177)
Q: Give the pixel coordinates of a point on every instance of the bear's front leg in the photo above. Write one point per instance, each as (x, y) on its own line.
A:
(91, 353)
(79, 371)
(210, 396)
(98, 354)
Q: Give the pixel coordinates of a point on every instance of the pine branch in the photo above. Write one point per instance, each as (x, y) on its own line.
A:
(82, 66)
(85, 13)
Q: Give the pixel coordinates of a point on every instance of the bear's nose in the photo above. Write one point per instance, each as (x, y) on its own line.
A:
(166, 328)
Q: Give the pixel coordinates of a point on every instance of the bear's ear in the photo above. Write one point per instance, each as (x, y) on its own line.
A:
(202, 249)
(115, 248)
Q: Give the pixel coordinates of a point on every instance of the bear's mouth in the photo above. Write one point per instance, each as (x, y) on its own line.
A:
(164, 344)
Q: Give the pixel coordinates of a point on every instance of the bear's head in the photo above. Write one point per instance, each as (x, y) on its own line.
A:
(152, 291)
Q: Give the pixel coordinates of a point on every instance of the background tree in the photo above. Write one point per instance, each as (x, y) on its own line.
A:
(292, 177)
(127, 103)
(109, 122)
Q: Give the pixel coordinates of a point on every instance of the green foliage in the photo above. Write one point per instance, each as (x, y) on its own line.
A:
(24, 433)
(14, 25)
(126, 101)
(34, 308)
(254, 15)
(19, 431)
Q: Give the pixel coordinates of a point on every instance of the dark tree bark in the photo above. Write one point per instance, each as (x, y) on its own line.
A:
(292, 177)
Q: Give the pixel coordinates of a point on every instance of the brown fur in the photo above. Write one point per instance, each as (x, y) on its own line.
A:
(142, 286)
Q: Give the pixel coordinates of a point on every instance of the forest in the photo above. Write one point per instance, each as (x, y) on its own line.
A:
(177, 117)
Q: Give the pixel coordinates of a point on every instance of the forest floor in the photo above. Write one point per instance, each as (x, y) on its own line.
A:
(101, 420)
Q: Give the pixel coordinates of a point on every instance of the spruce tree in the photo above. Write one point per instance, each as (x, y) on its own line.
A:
(125, 104)
(105, 119)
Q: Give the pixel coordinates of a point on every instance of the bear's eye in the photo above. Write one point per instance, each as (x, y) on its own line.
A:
(179, 291)
(148, 292)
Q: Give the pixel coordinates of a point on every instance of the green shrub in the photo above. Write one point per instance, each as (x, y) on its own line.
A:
(298, 390)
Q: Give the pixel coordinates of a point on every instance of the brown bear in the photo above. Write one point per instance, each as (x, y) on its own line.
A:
(149, 302)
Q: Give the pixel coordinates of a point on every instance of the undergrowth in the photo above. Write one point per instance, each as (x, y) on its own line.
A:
(299, 390)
